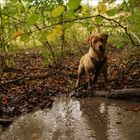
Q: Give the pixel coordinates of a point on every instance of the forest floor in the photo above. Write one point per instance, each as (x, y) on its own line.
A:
(31, 85)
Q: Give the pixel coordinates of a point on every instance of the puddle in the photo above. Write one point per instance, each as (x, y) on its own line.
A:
(82, 119)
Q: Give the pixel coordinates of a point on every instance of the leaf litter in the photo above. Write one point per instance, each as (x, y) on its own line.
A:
(32, 85)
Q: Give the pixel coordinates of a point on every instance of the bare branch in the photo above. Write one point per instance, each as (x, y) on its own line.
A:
(109, 19)
(125, 29)
(135, 36)
(129, 34)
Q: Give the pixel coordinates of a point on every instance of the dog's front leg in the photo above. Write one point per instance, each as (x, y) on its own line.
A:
(88, 78)
(77, 82)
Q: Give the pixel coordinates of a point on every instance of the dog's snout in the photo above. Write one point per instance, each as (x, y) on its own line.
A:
(101, 47)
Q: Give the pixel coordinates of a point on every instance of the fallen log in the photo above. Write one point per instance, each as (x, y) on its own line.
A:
(121, 93)
(116, 94)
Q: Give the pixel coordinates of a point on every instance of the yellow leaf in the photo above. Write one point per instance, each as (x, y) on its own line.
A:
(51, 37)
(59, 26)
(16, 34)
(102, 8)
(57, 31)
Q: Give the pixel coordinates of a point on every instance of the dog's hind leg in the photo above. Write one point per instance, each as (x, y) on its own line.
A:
(105, 75)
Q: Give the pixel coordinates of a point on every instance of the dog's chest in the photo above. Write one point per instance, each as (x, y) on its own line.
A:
(98, 64)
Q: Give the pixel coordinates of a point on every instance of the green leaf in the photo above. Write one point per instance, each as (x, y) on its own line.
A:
(87, 14)
(9, 11)
(74, 4)
(135, 17)
(98, 19)
(70, 14)
(84, 8)
(33, 19)
(112, 12)
(90, 28)
(135, 20)
(58, 11)
(24, 37)
(135, 27)
(43, 36)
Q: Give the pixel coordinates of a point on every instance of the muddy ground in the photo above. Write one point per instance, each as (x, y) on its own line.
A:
(31, 85)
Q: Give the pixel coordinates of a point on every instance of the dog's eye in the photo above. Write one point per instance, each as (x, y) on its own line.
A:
(94, 41)
(102, 39)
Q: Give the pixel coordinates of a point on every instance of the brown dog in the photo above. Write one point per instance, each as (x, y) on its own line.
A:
(95, 61)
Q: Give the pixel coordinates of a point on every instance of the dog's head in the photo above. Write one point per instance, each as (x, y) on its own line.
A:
(98, 42)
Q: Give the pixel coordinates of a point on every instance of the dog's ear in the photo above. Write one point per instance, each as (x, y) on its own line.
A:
(105, 37)
(90, 39)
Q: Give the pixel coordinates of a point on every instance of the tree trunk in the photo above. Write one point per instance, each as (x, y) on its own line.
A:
(116, 94)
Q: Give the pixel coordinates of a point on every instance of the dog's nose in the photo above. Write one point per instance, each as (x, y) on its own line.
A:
(101, 47)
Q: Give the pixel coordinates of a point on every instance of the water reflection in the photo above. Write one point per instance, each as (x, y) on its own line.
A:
(83, 119)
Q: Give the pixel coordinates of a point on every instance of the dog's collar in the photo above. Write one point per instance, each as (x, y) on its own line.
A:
(98, 64)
